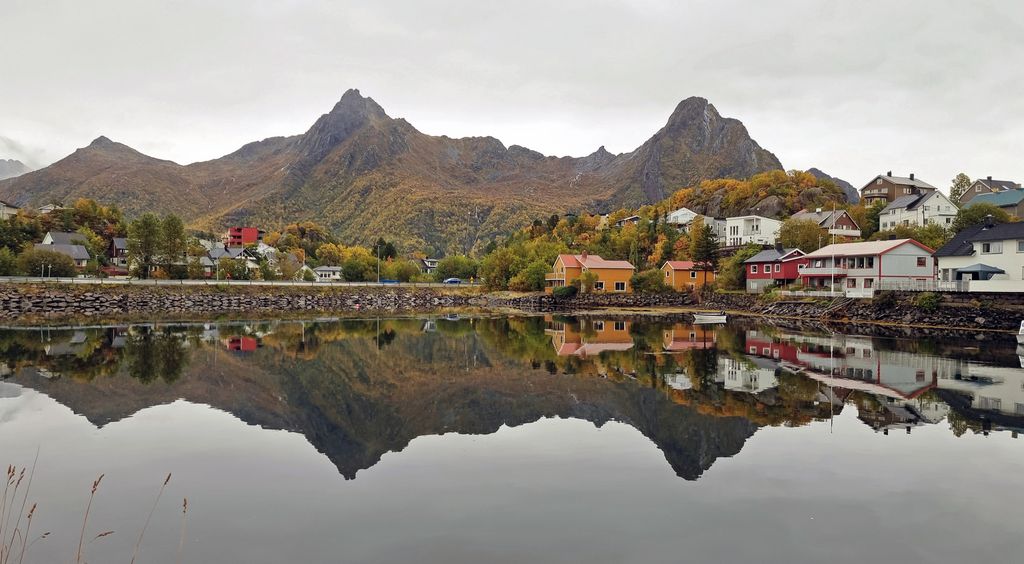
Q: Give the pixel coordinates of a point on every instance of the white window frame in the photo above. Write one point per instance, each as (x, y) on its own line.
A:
(617, 286)
(599, 285)
(619, 326)
(753, 269)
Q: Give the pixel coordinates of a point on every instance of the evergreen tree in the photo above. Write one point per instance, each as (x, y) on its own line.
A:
(704, 248)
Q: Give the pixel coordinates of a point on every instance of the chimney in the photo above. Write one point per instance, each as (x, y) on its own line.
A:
(583, 255)
(911, 175)
(889, 173)
(989, 178)
(779, 248)
(988, 222)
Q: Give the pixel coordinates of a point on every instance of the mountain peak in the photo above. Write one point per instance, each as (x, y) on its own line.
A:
(101, 141)
(9, 168)
(354, 103)
(693, 110)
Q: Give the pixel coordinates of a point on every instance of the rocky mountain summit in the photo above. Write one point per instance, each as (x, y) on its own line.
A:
(366, 175)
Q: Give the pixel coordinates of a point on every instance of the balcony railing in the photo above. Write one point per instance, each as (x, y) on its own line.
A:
(823, 271)
(554, 276)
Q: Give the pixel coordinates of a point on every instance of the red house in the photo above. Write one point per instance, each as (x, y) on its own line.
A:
(242, 236)
(773, 267)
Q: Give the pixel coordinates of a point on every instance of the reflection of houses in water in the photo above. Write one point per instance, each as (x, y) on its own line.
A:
(993, 392)
(678, 381)
(749, 374)
(853, 363)
(589, 337)
(897, 380)
(241, 343)
(686, 337)
(72, 346)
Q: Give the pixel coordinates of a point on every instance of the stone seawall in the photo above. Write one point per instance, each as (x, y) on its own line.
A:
(27, 301)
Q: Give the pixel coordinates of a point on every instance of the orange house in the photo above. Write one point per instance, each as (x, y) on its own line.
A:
(683, 275)
(612, 275)
(590, 337)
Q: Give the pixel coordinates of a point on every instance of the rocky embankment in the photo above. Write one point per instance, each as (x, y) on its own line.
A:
(32, 301)
(896, 308)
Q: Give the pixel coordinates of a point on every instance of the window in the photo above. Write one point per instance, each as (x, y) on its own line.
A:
(949, 220)
(993, 248)
(778, 267)
(1020, 246)
(860, 262)
(851, 282)
(879, 181)
(801, 266)
(871, 262)
(693, 274)
(753, 350)
(818, 263)
(977, 188)
(620, 286)
(620, 326)
(599, 285)
(869, 282)
(753, 269)
(921, 261)
(599, 326)
(666, 274)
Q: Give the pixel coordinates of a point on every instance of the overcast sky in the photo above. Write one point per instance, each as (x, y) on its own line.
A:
(855, 88)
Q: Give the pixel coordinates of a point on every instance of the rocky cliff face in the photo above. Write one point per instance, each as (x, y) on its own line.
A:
(366, 174)
(9, 168)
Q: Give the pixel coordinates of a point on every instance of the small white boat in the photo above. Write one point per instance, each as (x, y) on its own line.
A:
(1020, 333)
(709, 317)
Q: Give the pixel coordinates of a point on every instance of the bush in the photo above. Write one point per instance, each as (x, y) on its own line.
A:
(649, 282)
(886, 299)
(8, 262)
(41, 262)
(565, 292)
(928, 301)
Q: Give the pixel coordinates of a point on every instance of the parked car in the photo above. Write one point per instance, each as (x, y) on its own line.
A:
(388, 281)
(453, 281)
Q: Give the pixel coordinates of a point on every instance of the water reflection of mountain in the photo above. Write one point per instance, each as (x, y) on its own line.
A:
(357, 390)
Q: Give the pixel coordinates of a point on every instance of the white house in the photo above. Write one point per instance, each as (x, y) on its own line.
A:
(990, 256)
(749, 374)
(918, 210)
(7, 210)
(862, 268)
(328, 273)
(681, 217)
(747, 229)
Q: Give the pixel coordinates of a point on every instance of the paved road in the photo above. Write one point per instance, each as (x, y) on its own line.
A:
(140, 282)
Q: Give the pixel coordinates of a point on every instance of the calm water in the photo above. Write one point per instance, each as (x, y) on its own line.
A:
(524, 439)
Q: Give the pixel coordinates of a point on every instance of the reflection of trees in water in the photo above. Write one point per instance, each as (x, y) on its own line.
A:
(153, 354)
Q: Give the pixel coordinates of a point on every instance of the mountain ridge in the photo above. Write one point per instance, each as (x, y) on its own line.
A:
(11, 168)
(366, 174)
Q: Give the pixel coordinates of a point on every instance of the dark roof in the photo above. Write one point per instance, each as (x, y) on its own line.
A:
(998, 184)
(66, 238)
(76, 252)
(902, 181)
(769, 255)
(960, 245)
(120, 242)
(903, 202)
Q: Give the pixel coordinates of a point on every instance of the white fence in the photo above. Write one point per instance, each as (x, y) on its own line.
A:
(152, 282)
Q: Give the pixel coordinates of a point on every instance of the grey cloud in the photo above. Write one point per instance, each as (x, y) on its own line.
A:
(851, 87)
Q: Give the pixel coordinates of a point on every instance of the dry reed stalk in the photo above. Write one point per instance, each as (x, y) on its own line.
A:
(181, 543)
(135, 551)
(85, 520)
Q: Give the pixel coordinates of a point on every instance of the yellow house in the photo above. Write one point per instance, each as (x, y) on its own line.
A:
(684, 275)
(612, 275)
